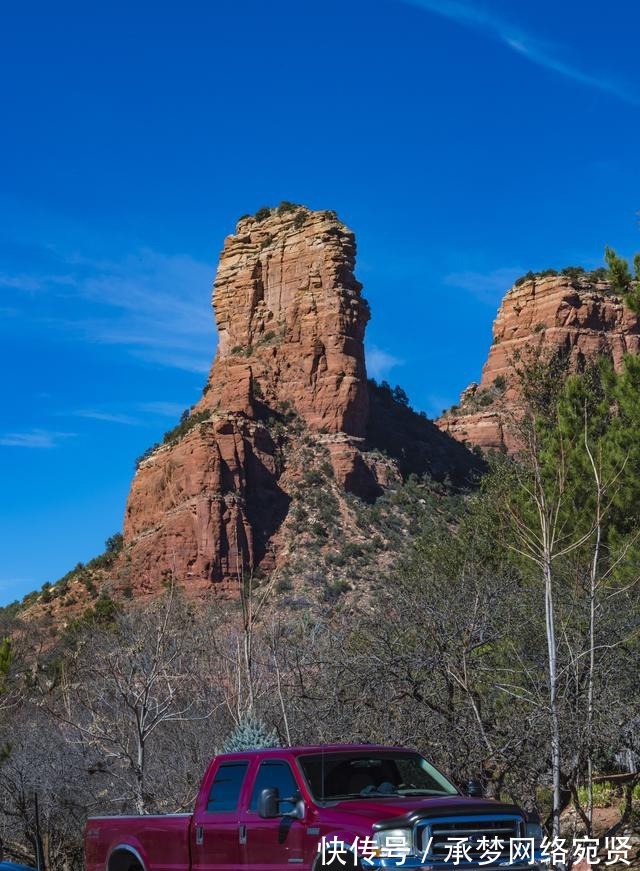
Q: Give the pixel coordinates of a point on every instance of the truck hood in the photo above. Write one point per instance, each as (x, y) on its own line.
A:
(405, 811)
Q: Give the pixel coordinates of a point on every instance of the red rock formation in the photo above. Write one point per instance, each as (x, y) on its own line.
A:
(189, 510)
(291, 321)
(289, 371)
(581, 318)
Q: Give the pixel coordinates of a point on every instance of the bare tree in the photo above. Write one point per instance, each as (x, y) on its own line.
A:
(127, 683)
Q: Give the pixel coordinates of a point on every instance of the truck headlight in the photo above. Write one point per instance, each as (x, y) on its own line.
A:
(394, 843)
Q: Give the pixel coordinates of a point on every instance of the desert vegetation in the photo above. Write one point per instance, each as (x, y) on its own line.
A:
(502, 641)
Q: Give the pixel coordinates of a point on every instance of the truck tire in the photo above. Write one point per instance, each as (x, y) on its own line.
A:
(124, 860)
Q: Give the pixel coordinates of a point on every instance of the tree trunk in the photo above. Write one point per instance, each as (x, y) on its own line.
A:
(139, 775)
(553, 696)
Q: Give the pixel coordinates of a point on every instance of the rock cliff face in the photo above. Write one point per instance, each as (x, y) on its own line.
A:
(210, 504)
(577, 315)
(291, 321)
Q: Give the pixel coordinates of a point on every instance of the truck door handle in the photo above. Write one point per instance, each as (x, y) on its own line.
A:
(199, 835)
(243, 833)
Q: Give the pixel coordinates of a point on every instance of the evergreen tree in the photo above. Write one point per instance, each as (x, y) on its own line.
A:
(622, 282)
(251, 733)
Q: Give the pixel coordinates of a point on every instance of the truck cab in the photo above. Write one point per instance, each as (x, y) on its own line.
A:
(315, 807)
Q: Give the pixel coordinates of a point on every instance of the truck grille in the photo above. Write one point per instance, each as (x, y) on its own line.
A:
(446, 832)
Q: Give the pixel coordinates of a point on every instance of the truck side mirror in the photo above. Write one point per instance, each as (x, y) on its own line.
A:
(474, 788)
(269, 804)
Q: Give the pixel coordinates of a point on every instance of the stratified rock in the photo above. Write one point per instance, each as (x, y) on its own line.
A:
(208, 507)
(578, 316)
(291, 322)
(202, 509)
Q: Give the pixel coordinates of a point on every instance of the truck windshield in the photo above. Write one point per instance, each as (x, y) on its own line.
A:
(339, 776)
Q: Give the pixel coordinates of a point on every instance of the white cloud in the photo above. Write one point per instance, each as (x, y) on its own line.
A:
(155, 305)
(538, 52)
(163, 409)
(488, 287)
(35, 438)
(171, 410)
(106, 416)
(27, 283)
(380, 363)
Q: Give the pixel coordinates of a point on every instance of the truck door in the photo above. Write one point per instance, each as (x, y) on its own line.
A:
(272, 845)
(215, 841)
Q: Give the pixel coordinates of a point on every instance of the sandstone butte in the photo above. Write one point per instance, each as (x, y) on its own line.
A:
(578, 315)
(209, 506)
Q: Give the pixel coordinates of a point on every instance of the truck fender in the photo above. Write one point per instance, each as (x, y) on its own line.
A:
(124, 857)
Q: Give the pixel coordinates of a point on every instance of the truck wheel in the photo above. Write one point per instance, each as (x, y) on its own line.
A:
(123, 860)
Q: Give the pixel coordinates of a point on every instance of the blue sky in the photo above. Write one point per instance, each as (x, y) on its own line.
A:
(464, 142)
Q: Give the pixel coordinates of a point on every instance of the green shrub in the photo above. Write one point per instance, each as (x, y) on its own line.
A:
(599, 274)
(285, 206)
(114, 544)
(326, 469)
(574, 272)
(263, 213)
(528, 276)
(400, 396)
(313, 478)
(351, 550)
(146, 454)
(256, 388)
(500, 382)
(187, 422)
(269, 336)
(299, 219)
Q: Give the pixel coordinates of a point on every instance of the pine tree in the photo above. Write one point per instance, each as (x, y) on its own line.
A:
(622, 282)
(251, 733)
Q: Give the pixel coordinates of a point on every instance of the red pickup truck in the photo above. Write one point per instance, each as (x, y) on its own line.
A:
(336, 806)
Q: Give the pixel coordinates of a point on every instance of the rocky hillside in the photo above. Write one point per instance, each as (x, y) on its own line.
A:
(575, 312)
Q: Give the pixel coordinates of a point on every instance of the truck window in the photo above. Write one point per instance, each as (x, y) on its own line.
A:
(275, 775)
(346, 775)
(226, 786)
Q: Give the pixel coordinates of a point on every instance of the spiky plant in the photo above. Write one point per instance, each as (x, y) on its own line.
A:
(251, 733)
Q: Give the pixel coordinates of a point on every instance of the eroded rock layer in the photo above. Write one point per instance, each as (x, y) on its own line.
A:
(580, 317)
